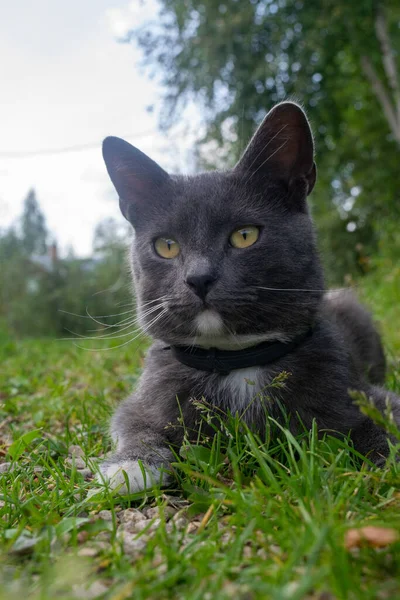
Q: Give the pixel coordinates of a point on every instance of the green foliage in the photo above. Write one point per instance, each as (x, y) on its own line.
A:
(22, 443)
(39, 290)
(235, 60)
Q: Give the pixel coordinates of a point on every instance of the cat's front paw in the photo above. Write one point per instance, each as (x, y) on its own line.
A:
(137, 475)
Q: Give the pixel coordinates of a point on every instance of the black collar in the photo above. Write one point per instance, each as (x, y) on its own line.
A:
(225, 361)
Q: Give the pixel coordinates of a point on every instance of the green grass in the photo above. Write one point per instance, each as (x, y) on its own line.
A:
(261, 519)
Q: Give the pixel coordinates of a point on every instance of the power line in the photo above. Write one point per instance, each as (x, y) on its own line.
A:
(75, 148)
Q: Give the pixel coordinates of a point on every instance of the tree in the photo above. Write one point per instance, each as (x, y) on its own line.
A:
(236, 59)
(111, 237)
(33, 226)
(46, 297)
(10, 245)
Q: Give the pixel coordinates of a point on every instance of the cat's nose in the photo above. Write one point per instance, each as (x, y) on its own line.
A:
(201, 283)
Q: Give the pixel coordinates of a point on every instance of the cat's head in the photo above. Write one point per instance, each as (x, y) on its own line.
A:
(221, 256)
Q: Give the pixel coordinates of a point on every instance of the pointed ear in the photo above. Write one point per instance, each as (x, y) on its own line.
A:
(136, 177)
(282, 147)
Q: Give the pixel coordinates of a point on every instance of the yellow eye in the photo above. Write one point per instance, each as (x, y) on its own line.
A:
(166, 247)
(244, 237)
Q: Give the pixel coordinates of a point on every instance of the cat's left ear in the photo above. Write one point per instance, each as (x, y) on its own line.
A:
(282, 148)
(139, 181)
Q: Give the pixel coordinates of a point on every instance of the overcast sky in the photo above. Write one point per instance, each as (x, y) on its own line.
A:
(66, 81)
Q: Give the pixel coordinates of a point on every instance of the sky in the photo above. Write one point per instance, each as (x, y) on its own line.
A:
(67, 81)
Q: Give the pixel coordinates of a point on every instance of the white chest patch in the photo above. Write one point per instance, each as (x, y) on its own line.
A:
(242, 385)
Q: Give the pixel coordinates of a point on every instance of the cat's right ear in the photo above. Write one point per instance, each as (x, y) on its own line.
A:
(282, 148)
(137, 179)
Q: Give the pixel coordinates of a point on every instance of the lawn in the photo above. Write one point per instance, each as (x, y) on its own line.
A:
(282, 519)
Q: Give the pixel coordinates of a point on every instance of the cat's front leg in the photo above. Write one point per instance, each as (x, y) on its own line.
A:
(143, 428)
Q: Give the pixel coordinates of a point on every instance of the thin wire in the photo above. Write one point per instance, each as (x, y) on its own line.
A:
(75, 148)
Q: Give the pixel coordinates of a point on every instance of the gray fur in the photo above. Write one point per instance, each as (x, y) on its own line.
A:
(257, 291)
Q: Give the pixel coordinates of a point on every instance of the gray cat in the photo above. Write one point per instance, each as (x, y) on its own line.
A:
(230, 286)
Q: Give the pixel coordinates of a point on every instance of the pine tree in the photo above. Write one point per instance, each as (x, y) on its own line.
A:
(33, 226)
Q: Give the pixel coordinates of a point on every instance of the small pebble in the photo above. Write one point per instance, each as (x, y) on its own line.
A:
(169, 512)
(181, 514)
(226, 538)
(130, 517)
(86, 474)
(158, 511)
(106, 515)
(23, 546)
(261, 553)
(247, 552)
(95, 590)
(193, 526)
(131, 544)
(104, 536)
(180, 520)
(77, 461)
(82, 537)
(100, 545)
(169, 527)
(134, 526)
(5, 467)
(131, 513)
(75, 451)
(88, 551)
(151, 513)
(155, 524)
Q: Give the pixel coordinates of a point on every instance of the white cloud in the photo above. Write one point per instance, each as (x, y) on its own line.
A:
(122, 20)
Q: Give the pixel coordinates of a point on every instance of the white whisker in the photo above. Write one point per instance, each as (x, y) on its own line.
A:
(111, 335)
(96, 320)
(128, 341)
(125, 312)
(336, 290)
(107, 336)
(107, 326)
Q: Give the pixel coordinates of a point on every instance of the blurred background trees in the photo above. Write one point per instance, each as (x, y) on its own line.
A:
(42, 293)
(339, 59)
(33, 227)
